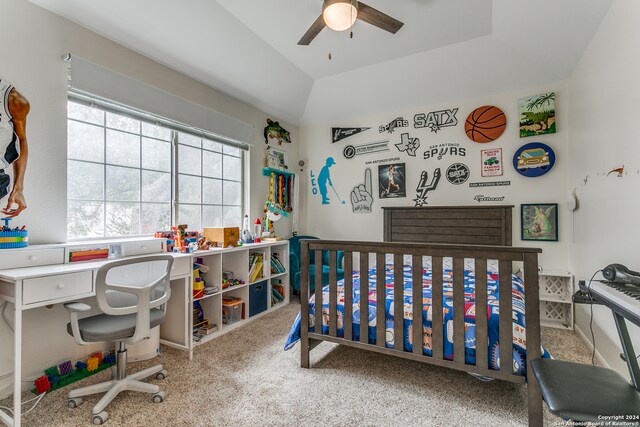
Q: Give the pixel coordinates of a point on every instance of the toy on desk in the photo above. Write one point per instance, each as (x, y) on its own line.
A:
(64, 374)
(13, 237)
(246, 236)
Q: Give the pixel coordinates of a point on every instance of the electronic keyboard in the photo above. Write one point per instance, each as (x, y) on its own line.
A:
(623, 299)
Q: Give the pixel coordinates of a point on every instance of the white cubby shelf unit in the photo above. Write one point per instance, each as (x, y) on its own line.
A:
(236, 260)
(556, 302)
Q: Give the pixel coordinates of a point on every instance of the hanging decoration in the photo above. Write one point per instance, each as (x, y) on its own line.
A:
(273, 132)
(534, 159)
(485, 124)
(338, 134)
(350, 151)
(280, 191)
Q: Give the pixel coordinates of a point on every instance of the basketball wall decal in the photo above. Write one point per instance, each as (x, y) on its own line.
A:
(485, 124)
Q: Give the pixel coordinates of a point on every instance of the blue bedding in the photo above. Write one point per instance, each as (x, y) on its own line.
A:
(519, 340)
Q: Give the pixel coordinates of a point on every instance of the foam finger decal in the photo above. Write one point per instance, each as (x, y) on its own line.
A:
(362, 195)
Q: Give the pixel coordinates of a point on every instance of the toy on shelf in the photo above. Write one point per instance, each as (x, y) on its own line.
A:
(13, 237)
(179, 239)
(222, 237)
(229, 280)
(246, 236)
(257, 230)
(64, 374)
(272, 214)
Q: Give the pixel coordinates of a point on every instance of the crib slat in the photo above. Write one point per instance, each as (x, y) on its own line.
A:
(436, 307)
(458, 310)
(318, 291)
(348, 295)
(482, 337)
(506, 322)
(364, 297)
(416, 284)
(333, 294)
(381, 295)
(398, 302)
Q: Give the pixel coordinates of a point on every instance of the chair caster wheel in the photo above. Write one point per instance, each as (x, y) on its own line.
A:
(74, 402)
(162, 375)
(159, 397)
(99, 419)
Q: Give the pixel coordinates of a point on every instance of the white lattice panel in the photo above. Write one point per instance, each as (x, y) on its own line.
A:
(556, 314)
(556, 286)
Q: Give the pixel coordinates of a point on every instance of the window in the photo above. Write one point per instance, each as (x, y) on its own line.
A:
(122, 171)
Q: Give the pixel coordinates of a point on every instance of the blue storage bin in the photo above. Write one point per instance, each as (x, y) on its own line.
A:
(258, 298)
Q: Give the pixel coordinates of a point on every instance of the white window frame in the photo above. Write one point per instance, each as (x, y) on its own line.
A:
(80, 97)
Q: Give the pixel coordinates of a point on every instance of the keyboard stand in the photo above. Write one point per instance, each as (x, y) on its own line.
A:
(623, 333)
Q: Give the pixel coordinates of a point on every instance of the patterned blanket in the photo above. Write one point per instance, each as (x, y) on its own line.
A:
(519, 340)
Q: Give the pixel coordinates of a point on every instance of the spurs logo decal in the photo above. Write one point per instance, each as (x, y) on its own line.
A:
(400, 122)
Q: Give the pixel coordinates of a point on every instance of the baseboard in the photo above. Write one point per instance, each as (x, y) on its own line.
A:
(588, 343)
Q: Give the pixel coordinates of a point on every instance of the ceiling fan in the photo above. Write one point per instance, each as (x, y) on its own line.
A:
(339, 15)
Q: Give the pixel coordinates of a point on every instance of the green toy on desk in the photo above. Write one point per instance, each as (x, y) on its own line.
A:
(13, 237)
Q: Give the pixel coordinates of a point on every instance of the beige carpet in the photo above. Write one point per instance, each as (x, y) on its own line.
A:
(244, 378)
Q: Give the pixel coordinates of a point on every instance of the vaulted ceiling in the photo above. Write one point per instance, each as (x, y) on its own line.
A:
(447, 49)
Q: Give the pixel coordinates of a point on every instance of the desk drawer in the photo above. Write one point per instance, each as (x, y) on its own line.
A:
(50, 288)
(144, 247)
(30, 258)
(181, 266)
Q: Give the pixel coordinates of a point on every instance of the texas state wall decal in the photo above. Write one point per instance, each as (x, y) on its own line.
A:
(362, 195)
(408, 144)
(436, 120)
(392, 181)
(338, 134)
(424, 186)
(399, 122)
(534, 159)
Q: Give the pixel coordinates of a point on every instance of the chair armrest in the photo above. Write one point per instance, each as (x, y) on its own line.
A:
(76, 307)
(294, 262)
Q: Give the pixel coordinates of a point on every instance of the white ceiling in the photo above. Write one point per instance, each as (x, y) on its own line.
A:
(447, 50)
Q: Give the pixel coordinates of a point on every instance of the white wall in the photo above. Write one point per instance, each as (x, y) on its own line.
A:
(36, 40)
(338, 221)
(604, 91)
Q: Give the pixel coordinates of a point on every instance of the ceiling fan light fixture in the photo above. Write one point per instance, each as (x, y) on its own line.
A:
(339, 15)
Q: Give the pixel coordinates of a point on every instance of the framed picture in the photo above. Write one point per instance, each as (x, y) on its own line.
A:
(537, 115)
(491, 162)
(539, 221)
(391, 181)
(276, 159)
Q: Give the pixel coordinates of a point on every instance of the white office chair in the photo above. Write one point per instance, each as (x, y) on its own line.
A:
(132, 294)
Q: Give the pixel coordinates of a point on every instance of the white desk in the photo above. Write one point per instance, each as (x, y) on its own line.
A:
(31, 287)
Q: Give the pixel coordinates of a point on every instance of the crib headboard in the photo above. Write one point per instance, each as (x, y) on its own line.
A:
(465, 225)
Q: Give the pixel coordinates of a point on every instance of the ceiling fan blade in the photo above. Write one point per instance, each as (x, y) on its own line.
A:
(312, 32)
(381, 20)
